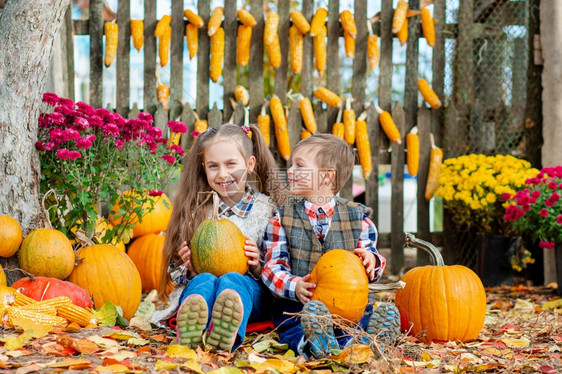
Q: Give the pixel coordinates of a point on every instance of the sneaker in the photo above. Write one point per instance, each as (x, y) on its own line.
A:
(227, 315)
(192, 318)
(384, 323)
(318, 332)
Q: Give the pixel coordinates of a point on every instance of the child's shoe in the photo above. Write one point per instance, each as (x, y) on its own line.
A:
(384, 323)
(318, 332)
(191, 321)
(227, 314)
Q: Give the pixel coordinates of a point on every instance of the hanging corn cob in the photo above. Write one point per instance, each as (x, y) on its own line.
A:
(215, 20)
(280, 125)
(349, 44)
(338, 128)
(164, 45)
(388, 126)
(300, 22)
(327, 96)
(174, 139)
(318, 22)
(349, 123)
(192, 37)
(193, 18)
(243, 40)
(137, 33)
(162, 25)
(372, 47)
(163, 94)
(307, 113)
(319, 42)
(111, 31)
(428, 27)
(399, 16)
(402, 34)
(413, 154)
(200, 125)
(428, 94)
(274, 52)
(217, 54)
(348, 23)
(241, 94)
(270, 29)
(263, 123)
(435, 160)
(305, 134)
(363, 145)
(295, 49)
(246, 18)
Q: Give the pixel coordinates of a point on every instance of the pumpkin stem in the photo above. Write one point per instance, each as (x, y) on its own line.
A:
(29, 275)
(433, 252)
(215, 206)
(51, 191)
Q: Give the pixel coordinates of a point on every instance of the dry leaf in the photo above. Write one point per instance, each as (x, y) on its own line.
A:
(103, 343)
(163, 365)
(116, 368)
(123, 355)
(29, 369)
(15, 342)
(516, 343)
(69, 362)
(181, 351)
(39, 330)
(137, 341)
(159, 338)
(122, 335)
(355, 354)
(140, 323)
(228, 370)
(72, 327)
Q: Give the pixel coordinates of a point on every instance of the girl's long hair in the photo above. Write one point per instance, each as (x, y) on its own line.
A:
(193, 200)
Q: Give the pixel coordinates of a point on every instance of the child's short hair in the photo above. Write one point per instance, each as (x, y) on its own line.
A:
(331, 153)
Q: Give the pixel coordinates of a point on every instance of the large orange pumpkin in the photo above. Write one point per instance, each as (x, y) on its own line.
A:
(147, 254)
(10, 236)
(108, 274)
(217, 246)
(341, 284)
(447, 302)
(152, 222)
(46, 253)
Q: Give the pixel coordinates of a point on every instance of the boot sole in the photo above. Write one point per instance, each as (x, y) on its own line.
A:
(227, 315)
(192, 319)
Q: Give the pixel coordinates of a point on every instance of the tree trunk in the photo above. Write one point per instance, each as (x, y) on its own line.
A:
(27, 31)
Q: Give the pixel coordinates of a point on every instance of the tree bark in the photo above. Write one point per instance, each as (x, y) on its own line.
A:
(27, 31)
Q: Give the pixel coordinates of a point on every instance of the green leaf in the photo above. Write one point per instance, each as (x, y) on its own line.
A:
(107, 314)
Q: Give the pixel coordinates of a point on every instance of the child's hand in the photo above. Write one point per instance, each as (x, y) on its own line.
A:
(253, 253)
(304, 289)
(185, 255)
(369, 261)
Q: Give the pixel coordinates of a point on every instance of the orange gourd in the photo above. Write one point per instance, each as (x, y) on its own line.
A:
(10, 236)
(3, 281)
(443, 302)
(147, 254)
(341, 284)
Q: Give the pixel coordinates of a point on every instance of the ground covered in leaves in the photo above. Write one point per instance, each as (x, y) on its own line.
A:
(522, 334)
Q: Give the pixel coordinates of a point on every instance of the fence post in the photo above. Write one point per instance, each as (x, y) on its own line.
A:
(397, 195)
(203, 62)
(255, 65)
(176, 59)
(150, 98)
(96, 53)
(123, 49)
(230, 26)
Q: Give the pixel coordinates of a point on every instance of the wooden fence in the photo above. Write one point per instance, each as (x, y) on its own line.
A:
(406, 115)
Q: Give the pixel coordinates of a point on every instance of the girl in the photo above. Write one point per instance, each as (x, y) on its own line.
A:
(236, 165)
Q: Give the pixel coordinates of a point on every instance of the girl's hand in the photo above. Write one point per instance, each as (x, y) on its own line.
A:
(304, 289)
(369, 261)
(253, 253)
(185, 255)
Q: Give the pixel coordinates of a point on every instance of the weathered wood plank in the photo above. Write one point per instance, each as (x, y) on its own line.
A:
(96, 53)
(386, 70)
(67, 51)
(150, 98)
(255, 64)
(294, 125)
(230, 26)
(360, 61)
(307, 63)
(372, 184)
(215, 117)
(203, 62)
(283, 32)
(333, 81)
(134, 112)
(397, 196)
(188, 118)
(123, 49)
(161, 118)
(412, 57)
(436, 238)
(438, 69)
(176, 59)
(424, 128)
(320, 116)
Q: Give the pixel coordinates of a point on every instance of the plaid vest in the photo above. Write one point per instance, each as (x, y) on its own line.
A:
(304, 247)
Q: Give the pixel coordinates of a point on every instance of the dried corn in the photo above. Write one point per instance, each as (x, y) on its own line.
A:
(274, 52)
(305, 134)
(243, 40)
(435, 160)
(295, 49)
(137, 33)
(349, 123)
(215, 20)
(17, 299)
(388, 126)
(162, 94)
(270, 29)
(327, 96)
(162, 25)
(300, 22)
(307, 114)
(428, 27)
(201, 126)
(164, 46)
(373, 52)
(318, 21)
(363, 146)
(402, 34)
(217, 54)
(241, 94)
(193, 18)
(246, 18)
(280, 125)
(15, 313)
(74, 313)
(428, 94)
(349, 44)
(319, 42)
(192, 37)
(174, 139)
(338, 130)
(348, 23)
(40, 308)
(263, 123)
(111, 31)
(399, 16)
(413, 154)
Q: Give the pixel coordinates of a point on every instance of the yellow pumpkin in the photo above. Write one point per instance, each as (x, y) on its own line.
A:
(10, 236)
(102, 226)
(147, 252)
(46, 253)
(341, 284)
(108, 274)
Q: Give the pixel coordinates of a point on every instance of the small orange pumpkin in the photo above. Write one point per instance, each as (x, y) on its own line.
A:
(108, 274)
(447, 302)
(147, 252)
(46, 253)
(341, 284)
(2, 279)
(217, 246)
(10, 236)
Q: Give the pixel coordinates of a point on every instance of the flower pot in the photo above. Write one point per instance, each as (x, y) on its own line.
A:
(494, 259)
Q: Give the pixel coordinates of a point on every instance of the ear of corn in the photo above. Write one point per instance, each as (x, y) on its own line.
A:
(319, 42)
(74, 313)
(300, 22)
(193, 18)
(388, 126)
(348, 23)
(192, 37)
(428, 94)
(243, 40)
(280, 125)
(274, 52)
(307, 114)
(241, 94)
(217, 54)
(305, 134)
(413, 154)
(435, 160)
(111, 31)
(373, 51)
(17, 299)
(403, 33)
(338, 130)
(318, 21)
(270, 29)
(137, 33)
(399, 16)
(55, 302)
(40, 308)
(246, 18)
(200, 126)
(295, 49)
(263, 122)
(349, 123)
(163, 93)
(327, 96)
(174, 139)
(39, 318)
(215, 20)
(349, 44)
(363, 148)
(164, 46)
(428, 27)
(162, 25)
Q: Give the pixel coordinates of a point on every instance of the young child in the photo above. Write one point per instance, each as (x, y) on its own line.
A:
(313, 222)
(225, 160)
